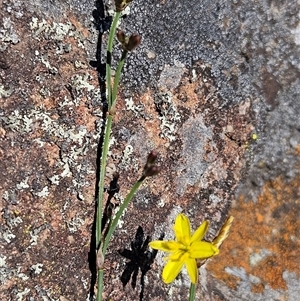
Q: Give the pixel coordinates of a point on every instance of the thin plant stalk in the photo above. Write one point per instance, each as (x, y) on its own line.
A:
(100, 201)
(192, 292)
(100, 285)
(111, 96)
(106, 145)
(112, 91)
(112, 33)
(105, 148)
(117, 78)
(108, 126)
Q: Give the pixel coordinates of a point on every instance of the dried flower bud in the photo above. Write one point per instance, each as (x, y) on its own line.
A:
(121, 37)
(224, 232)
(121, 4)
(133, 42)
(152, 157)
(152, 171)
(128, 43)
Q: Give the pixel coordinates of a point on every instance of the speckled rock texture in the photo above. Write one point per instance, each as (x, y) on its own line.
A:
(214, 87)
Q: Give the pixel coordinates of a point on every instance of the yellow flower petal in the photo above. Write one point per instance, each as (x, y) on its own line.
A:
(200, 232)
(182, 229)
(191, 266)
(167, 246)
(177, 255)
(171, 270)
(202, 249)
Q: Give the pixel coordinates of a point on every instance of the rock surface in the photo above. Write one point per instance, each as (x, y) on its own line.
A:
(214, 87)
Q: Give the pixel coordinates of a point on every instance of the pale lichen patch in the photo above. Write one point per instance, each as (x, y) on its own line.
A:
(79, 82)
(43, 193)
(54, 179)
(2, 261)
(74, 224)
(246, 280)
(14, 221)
(169, 115)
(256, 257)
(23, 184)
(127, 154)
(8, 33)
(21, 275)
(136, 109)
(55, 30)
(53, 70)
(5, 92)
(7, 236)
(20, 295)
(37, 268)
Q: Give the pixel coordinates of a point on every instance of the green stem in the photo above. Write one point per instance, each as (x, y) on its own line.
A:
(105, 147)
(111, 103)
(120, 212)
(117, 78)
(192, 292)
(101, 179)
(100, 285)
(112, 33)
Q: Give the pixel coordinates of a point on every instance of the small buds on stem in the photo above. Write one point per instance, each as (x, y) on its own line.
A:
(130, 43)
(133, 42)
(150, 169)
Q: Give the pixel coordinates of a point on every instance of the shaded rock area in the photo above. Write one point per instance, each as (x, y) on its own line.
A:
(214, 87)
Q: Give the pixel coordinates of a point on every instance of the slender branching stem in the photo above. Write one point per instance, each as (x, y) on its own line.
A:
(111, 103)
(108, 126)
(106, 146)
(112, 91)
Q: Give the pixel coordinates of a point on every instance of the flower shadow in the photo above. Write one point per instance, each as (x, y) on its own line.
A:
(140, 258)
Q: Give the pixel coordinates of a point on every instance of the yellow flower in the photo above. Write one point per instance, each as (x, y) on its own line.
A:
(185, 249)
